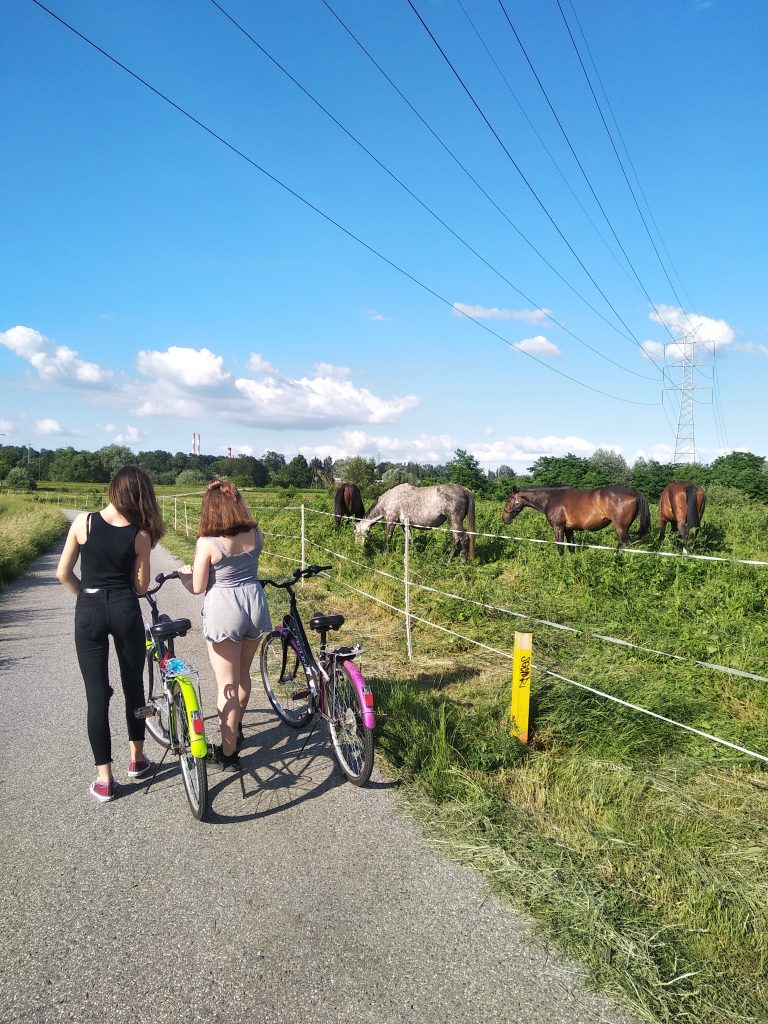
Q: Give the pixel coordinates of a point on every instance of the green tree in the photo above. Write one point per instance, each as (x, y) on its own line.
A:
(555, 471)
(357, 470)
(19, 479)
(398, 475)
(606, 467)
(296, 474)
(190, 477)
(464, 469)
(742, 470)
(114, 457)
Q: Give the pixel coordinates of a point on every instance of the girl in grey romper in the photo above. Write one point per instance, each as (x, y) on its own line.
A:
(235, 612)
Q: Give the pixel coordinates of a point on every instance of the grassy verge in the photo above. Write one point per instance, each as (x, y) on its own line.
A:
(26, 530)
(638, 848)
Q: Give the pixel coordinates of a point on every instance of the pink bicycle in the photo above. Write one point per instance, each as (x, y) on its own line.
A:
(301, 685)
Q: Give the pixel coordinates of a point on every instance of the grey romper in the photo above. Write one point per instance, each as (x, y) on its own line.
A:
(235, 607)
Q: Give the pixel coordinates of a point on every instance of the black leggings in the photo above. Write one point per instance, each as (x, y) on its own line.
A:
(97, 616)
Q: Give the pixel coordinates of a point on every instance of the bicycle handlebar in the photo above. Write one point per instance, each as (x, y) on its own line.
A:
(160, 579)
(311, 570)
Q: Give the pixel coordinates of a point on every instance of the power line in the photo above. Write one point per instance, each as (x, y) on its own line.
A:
(525, 180)
(428, 209)
(325, 216)
(575, 156)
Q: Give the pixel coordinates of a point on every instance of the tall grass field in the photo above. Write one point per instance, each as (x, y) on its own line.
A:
(637, 847)
(26, 530)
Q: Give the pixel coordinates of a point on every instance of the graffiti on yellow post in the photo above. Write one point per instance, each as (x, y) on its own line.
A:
(522, 663)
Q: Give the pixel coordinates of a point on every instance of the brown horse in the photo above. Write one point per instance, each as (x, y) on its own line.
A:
(682, 506)
(571, 508)
(348, 502)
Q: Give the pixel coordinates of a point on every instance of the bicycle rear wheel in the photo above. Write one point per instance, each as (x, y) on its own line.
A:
(284, 681)
(194, 770)
(352, 740)
(157, 725)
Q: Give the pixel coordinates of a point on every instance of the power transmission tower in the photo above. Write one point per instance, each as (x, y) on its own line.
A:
(689, 361)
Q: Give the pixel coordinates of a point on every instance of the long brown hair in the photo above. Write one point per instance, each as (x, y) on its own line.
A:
(223, 512)
(132, 494)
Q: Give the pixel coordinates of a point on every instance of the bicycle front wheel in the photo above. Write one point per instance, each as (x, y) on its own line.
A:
(194, 770)
(352, 740)
(284, 681)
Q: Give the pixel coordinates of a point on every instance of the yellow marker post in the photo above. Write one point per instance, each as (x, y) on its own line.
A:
(522, 662)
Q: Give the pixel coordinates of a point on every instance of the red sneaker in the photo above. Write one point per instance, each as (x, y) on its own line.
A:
(103, 791)
(138, 768)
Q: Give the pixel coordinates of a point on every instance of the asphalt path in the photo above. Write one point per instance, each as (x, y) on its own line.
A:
(303, 898)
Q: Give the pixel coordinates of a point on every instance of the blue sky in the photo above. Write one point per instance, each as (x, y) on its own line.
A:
(158, 281)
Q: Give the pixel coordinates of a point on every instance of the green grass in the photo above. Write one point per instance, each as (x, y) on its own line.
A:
(26, 530)
(638, 848)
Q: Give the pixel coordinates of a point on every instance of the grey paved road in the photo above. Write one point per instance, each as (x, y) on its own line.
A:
(303, 899)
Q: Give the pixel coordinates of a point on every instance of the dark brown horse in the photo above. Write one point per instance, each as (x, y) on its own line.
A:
(571, 508)
(348, 502)
(682, 506)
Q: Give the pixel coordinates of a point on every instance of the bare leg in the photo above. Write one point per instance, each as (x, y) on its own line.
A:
(247, 654)
(225, 662)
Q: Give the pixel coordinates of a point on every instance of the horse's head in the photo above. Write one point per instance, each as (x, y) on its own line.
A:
(362, 526)
(514, 506)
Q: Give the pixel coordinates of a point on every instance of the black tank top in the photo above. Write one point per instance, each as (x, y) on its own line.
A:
(108, 557)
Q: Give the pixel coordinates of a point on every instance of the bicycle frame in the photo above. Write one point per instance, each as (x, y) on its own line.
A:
(161, 651)
(295, 637)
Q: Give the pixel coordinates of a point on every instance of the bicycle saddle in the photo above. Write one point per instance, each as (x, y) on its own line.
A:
(173, 627)
(324, 622)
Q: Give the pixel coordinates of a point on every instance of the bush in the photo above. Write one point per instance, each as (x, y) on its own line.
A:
(20, 479)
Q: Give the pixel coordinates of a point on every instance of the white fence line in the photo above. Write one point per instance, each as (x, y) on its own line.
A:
(562, 678)
(726, 669)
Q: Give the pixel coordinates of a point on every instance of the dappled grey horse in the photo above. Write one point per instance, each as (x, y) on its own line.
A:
(425, 507)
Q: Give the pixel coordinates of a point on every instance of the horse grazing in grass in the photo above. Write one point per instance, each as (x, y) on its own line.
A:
(348, 502)
(682, 506)
(572, 508)
(425, 507)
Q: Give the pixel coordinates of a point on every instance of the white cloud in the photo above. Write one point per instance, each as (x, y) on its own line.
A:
(378, 317)
(494, 313)
(754, 348)
(132, 435)
(334, 372)
(55, 364)
(384, 448)
(539, 346)
(189, 367)
(653, 349)
(109, 428)
(49, 426)
(6, 426)
(709, 333)
(257, 364)
(521, 451)
(322, 400)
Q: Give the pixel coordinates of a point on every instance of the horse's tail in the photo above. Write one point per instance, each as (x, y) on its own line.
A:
(339, 504)
(356, 504)
(692, 507)
(471, 523)
(644, 513)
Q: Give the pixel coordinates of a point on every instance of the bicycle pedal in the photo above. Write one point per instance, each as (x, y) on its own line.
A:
(146, 712)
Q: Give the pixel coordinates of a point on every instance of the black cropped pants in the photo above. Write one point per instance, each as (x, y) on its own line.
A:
(98, 616)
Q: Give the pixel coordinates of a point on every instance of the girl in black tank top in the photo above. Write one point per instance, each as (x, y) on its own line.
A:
(113, 547)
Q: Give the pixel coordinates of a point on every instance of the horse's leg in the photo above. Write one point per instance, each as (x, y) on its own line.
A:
(559, 531)
(571, 545)
(388, 534)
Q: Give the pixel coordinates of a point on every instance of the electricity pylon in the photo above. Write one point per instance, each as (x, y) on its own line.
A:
(689, 362)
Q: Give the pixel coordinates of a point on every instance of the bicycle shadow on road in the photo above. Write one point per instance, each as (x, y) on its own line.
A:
(282, 768)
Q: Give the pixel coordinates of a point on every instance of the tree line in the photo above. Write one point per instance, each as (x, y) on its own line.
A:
(23, 467)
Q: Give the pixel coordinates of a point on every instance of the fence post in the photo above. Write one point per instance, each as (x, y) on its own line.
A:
(303, 560)
(186, 521)
(175, 513)
(406, 574)
(521, 686)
